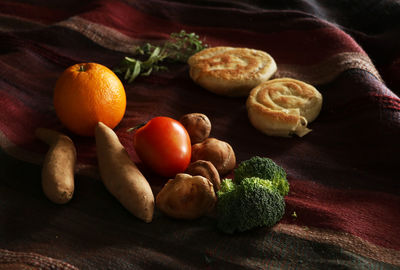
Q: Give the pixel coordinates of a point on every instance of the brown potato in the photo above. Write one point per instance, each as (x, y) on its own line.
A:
(197, 125)
(186, 197)
(207, 170)
(218, 152)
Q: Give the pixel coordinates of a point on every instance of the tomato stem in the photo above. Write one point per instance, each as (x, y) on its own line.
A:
(136, 127)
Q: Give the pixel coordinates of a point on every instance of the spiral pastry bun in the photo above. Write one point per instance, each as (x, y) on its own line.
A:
(282, 107)
(231, 71)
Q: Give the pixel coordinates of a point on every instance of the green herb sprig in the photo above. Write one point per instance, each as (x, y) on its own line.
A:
(178, 48)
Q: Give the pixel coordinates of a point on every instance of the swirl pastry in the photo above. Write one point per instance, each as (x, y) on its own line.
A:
(231, 71)
(282, 107)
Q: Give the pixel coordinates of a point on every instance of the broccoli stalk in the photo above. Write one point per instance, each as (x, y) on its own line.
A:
(263, 168)
(253, 202)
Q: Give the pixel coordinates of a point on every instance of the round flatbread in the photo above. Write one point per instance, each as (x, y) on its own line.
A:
(231, 71)
(282, 107)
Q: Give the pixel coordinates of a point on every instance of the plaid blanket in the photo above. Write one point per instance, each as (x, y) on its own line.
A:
(343, 178)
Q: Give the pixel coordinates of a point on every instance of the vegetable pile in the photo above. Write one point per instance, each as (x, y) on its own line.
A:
(192, 193)
(179, 150)
(254, 198)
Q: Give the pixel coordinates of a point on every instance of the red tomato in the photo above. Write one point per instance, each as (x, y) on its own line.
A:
(163, 145)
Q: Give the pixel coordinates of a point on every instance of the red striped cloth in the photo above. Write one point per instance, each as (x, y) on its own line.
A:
(344, 182)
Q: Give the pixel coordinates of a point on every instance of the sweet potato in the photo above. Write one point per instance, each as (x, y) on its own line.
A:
(121, 176)
(58, 166)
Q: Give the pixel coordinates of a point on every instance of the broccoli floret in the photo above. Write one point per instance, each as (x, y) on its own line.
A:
(252, 203)
(263, 168)
(226, 186)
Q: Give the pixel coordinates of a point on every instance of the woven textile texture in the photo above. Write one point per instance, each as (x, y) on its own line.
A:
(344, 183)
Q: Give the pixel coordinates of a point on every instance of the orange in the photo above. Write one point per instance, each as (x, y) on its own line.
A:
(86, 94)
